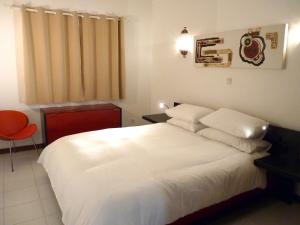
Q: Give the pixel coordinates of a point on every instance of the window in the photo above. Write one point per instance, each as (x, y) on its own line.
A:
(67, 57)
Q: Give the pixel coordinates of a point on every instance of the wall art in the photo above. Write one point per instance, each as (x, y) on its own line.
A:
(261, 47)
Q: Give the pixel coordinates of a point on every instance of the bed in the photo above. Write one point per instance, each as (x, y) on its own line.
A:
(146, 175)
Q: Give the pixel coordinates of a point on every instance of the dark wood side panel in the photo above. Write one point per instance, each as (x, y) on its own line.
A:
(62, 121)
(285, 143)
(219, 207)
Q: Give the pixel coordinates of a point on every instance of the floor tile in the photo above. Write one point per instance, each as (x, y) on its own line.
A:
(26, 155)
(1, 175)
(17, 197)
(1, 185)
(42, 180)
(50, 205)
(40, 174)
(278, 213)
(2, 164)
(1, 200)
(1, 182)
(38, 170)
(41, 221)
(19, 160)
(45, 191)
(54, 219)
(22, 213)
(1, 217)
(23, 171)
(18, 183)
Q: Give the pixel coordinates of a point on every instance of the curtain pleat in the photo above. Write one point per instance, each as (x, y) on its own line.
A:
(89, 57)
(74, 56)
(69, 58)
(29, 65)
(114, 49)
(103, 59)
(41, 56)
(122, 90)
(58, 57)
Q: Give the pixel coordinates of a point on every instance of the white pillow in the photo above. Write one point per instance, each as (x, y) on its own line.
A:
(235, 123)
(245, 145)
(194, 127)
(187, 112)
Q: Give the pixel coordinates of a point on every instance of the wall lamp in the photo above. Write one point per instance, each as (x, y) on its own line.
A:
(163, 106)
(184, 42)
(294, 34)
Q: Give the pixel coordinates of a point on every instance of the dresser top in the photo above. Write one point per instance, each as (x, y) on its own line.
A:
(77, 108)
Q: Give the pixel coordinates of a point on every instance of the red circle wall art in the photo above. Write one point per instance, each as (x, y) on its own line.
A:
(252, 47)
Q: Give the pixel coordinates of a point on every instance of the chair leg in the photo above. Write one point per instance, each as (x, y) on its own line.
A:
(37, 151)
(11, 159)
(14, 146)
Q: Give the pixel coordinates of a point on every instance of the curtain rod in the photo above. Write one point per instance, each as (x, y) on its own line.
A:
(66, 13)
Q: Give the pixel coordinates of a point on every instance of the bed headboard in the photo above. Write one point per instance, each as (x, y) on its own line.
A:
(285, 142)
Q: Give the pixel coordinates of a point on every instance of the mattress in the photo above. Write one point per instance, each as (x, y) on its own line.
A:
(144, 175)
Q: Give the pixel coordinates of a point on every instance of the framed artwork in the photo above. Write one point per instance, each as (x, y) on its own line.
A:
(261, 47)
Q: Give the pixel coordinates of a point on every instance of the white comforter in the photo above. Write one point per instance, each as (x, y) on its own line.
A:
(146, 175)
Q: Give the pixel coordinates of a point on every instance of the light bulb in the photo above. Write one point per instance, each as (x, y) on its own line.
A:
(163, 105)
(294, 34)
(248, 132)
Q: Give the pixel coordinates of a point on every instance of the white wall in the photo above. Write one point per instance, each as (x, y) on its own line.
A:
(269, 94)
(137, 47)
(138, 55)
(156, 72)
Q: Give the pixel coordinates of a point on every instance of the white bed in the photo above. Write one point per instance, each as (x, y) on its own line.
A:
(145, 175)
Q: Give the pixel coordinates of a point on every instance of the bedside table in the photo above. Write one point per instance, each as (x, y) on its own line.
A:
(156, 118)
(282, 176)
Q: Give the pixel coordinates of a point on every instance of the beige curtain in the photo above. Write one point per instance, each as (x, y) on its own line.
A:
(71, 58)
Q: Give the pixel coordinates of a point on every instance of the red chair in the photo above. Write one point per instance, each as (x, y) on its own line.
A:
(13, 127)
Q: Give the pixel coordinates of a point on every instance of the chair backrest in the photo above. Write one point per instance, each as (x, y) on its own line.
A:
(12, 121)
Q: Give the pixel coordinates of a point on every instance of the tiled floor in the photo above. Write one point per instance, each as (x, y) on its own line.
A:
(26, 195)
(26, 198)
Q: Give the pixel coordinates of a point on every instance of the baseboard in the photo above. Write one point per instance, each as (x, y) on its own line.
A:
(21, 148)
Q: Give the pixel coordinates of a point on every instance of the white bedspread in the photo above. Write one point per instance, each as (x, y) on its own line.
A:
(146, 175)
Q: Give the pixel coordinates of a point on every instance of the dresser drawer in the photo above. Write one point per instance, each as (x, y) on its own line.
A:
(62, 123)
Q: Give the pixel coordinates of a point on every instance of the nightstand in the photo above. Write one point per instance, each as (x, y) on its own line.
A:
(156, 118)
(282, 176)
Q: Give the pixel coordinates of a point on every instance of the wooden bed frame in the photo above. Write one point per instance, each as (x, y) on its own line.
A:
(219, 207)
(285, 144)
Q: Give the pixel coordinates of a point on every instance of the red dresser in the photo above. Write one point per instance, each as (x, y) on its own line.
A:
(61, 121)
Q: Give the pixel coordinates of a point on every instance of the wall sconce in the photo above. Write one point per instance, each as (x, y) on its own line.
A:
(184, 42)
(294, 34)
(163, 105)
